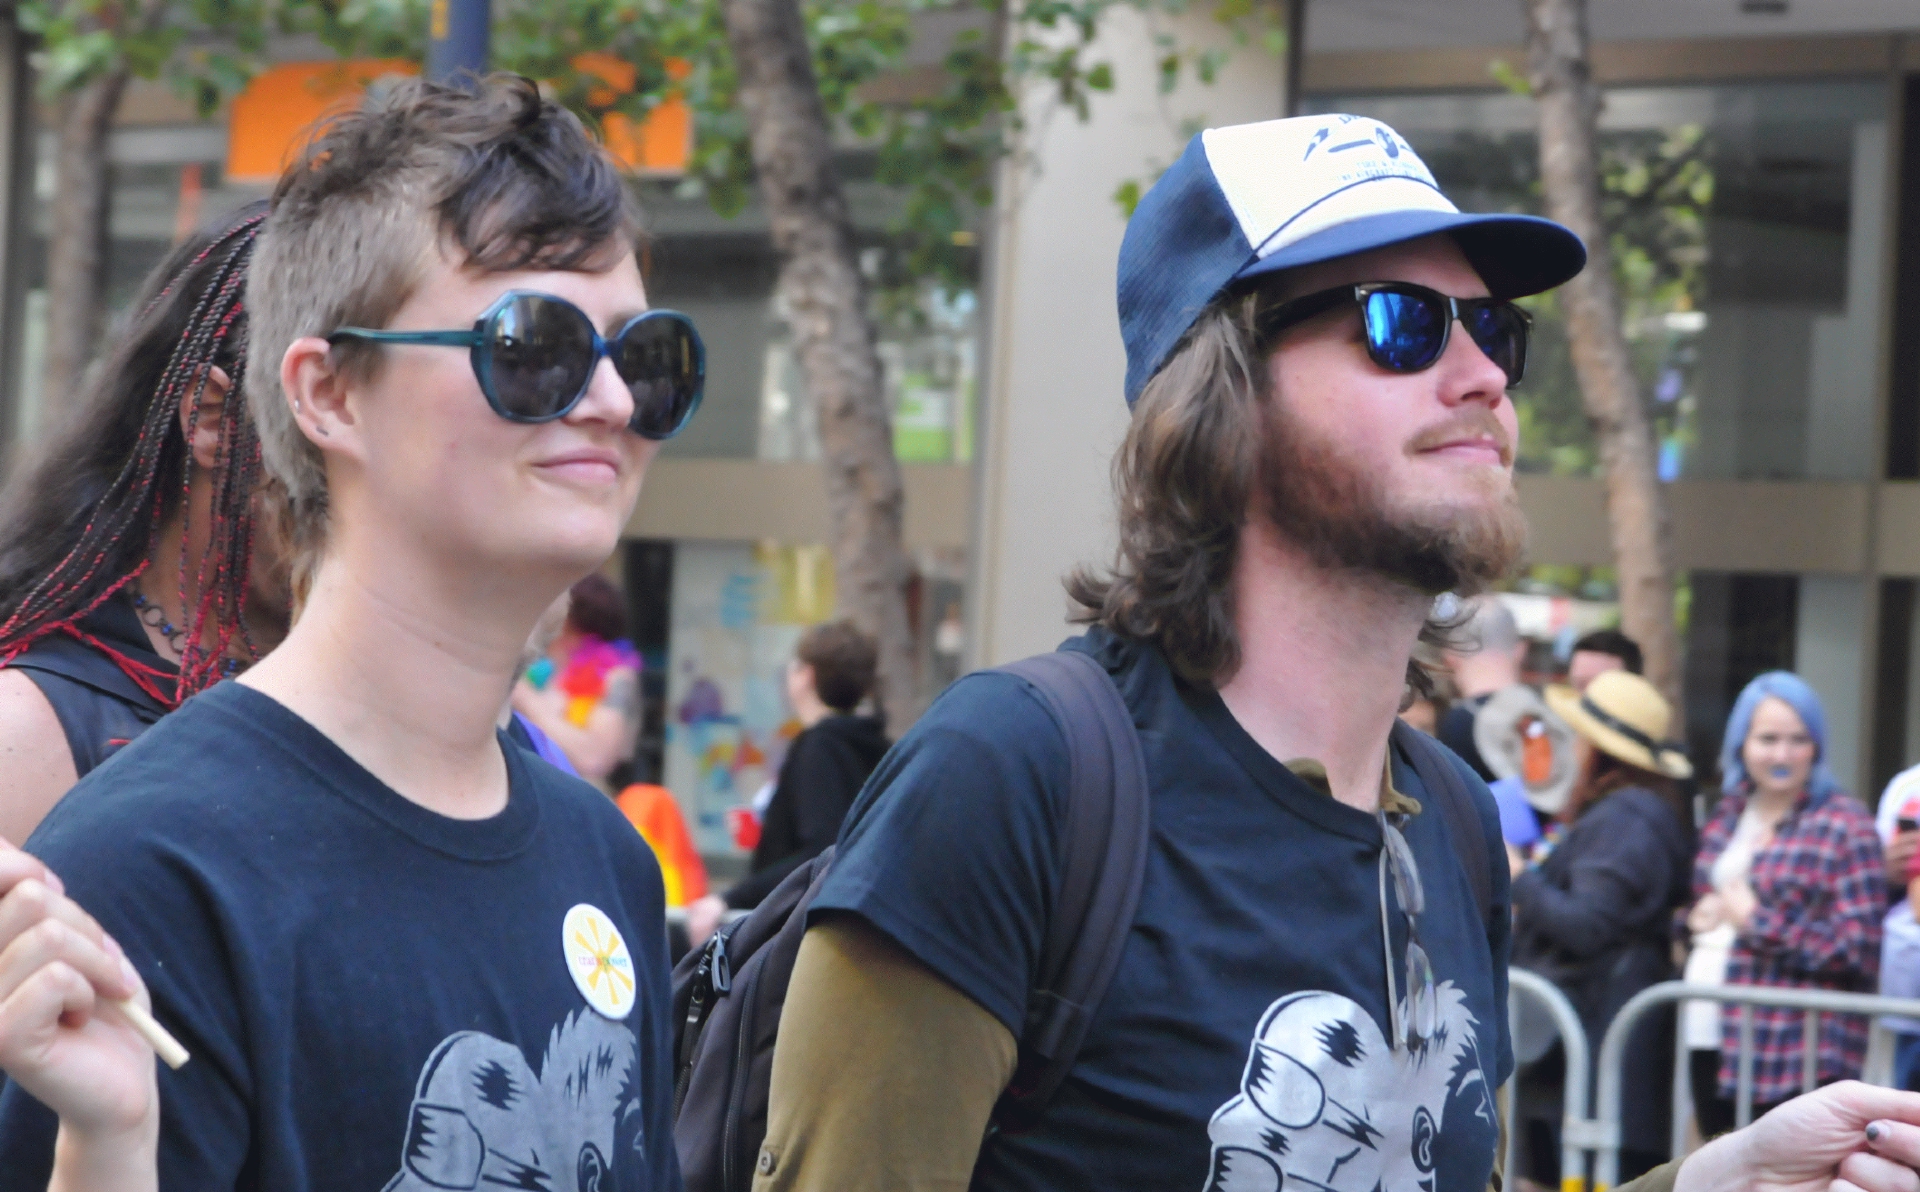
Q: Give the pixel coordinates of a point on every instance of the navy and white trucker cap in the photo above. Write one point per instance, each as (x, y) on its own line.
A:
(1252, 199)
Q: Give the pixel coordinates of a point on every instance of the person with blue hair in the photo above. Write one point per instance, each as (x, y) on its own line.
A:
(1789, 890)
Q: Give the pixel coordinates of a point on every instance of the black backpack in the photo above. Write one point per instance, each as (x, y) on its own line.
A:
(728, 996)
(1438, 769)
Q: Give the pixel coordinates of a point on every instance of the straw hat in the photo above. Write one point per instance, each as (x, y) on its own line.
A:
(1518, 737)
(1623, 715)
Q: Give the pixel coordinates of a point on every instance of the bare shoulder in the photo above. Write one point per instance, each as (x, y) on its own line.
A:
(36, 767)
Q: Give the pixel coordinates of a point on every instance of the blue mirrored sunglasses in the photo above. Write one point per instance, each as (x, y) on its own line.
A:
(535, 354)
(1408, 325)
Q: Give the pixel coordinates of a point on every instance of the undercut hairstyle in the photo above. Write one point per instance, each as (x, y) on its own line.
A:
(489, 175)
(81, 522)
(843, 660)
(1616, 643)
(1186, 477)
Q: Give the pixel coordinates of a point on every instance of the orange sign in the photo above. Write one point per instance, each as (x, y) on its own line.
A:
(661, 144)
(274, 115)
(271, 118)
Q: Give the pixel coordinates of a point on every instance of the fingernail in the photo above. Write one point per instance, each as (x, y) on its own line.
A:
(1874, 1131)
(133, 982)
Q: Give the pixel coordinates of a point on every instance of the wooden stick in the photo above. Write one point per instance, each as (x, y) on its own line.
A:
(164, 1045)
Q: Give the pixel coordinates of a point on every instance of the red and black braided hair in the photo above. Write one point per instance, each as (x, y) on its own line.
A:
(82, 522)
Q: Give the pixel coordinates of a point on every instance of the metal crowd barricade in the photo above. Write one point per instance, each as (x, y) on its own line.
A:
(1574, 1141)
(1602, 1133)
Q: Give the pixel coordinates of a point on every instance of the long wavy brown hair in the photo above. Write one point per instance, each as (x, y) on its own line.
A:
(1604, 774)
(1185, 478)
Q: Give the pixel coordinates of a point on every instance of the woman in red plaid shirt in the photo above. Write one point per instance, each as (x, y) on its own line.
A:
(1789, 890)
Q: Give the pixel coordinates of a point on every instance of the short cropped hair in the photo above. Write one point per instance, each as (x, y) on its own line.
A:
(1616, 643)
(598, 608)
(1490, 626)
(491, 174)
(843, 661)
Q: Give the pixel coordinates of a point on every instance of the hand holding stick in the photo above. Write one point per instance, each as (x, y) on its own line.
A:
(43, 906)
(57, 969)
(163, 1043)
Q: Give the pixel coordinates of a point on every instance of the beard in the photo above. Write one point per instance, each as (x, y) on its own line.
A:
(1337, 511)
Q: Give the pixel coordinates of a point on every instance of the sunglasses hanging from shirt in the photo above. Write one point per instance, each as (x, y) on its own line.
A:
(1408, 326)
(1416, 1019)
(535, 354)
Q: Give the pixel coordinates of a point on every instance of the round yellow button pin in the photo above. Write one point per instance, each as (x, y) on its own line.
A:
(598, 959)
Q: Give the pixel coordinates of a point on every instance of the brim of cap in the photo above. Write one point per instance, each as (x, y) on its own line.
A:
(1515, 255)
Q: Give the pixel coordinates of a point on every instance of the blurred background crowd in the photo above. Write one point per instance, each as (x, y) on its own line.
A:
(1699, 718)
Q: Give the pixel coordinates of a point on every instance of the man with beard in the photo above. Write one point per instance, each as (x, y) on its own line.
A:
(1317, 451)
(1312, 993)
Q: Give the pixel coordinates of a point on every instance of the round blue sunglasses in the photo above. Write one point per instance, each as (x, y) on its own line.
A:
(534, 355)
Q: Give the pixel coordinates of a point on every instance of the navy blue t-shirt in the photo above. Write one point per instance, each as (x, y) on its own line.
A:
(1243, 1042)
(375, 996)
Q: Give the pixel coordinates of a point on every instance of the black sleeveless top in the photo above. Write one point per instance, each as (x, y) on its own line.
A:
(99, 707)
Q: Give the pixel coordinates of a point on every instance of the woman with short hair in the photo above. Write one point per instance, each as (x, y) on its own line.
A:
(832, 672)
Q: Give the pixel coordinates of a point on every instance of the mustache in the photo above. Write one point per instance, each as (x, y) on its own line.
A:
(1466, 425)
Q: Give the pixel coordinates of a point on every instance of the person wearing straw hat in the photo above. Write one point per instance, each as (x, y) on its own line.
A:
(1596, 916)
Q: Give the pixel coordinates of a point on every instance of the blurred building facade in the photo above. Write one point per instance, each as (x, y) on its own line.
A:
(724, 565)
(1764, 159)
(1763, 162)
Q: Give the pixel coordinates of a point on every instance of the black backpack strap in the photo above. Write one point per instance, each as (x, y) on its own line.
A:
(1103, 866)
(1442, 780)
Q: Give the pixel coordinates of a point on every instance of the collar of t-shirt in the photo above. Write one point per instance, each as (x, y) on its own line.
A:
(1310, 771)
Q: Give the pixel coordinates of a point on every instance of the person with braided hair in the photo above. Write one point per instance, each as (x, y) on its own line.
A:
(403, 952)
(139, 561)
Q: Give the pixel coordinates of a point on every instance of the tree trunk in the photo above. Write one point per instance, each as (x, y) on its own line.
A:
(1569, 104)
(77, 246)
(834, 337)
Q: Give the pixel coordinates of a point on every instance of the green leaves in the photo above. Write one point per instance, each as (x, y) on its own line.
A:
(76, 60)
(1504, 74)
(77, 43)
(922, 88)
(208, 49)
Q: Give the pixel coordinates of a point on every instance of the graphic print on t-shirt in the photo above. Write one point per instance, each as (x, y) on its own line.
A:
(1326, 1104)
(481, 1116)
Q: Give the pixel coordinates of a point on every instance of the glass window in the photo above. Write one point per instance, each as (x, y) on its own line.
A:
(1737, 626)
(1749, 227)
(736, 613)
(724, 272)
